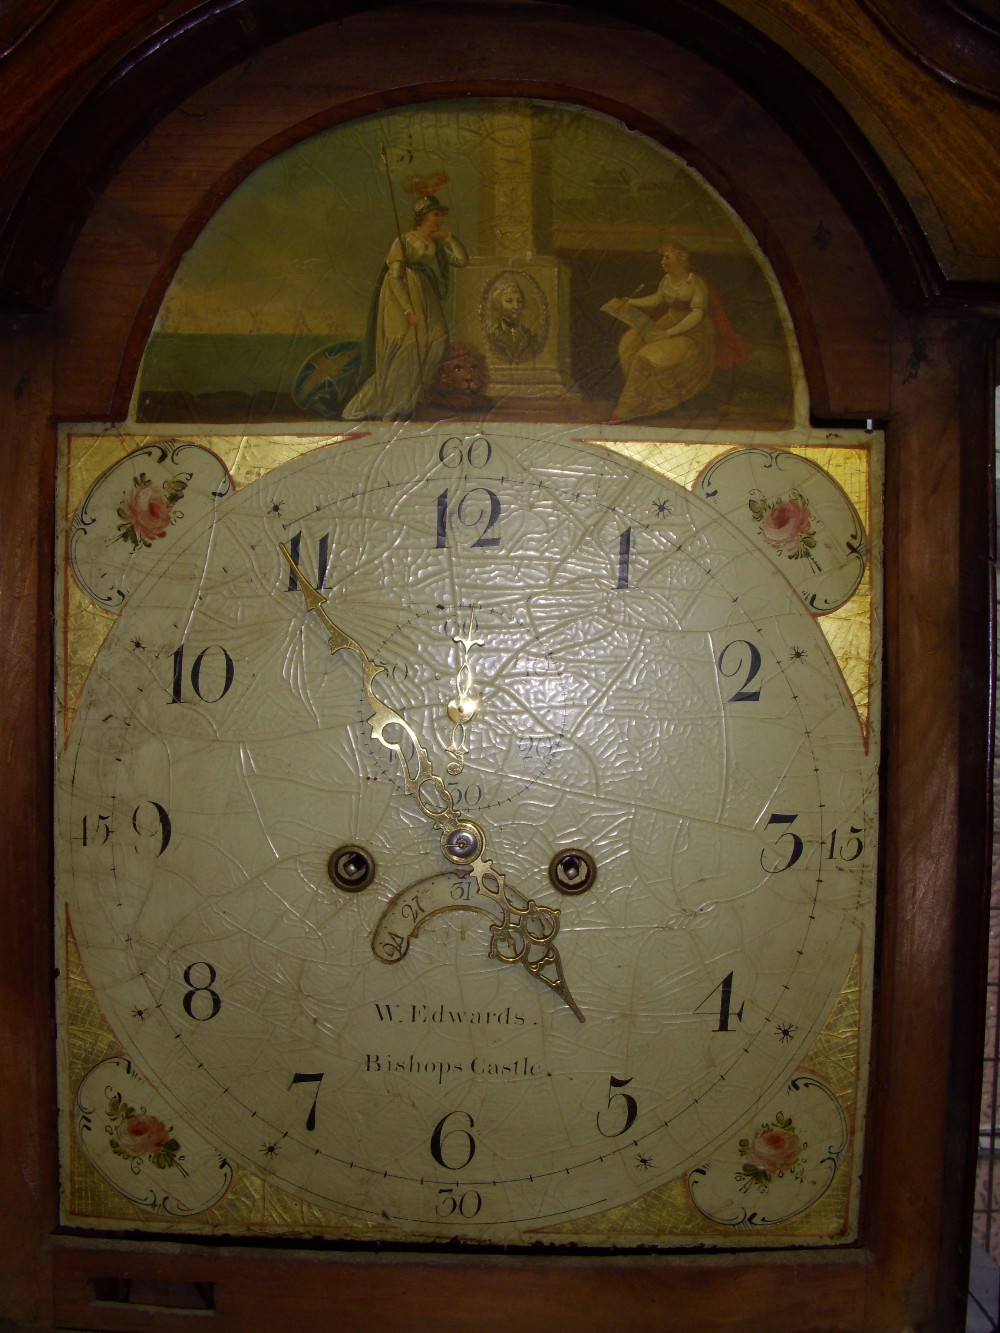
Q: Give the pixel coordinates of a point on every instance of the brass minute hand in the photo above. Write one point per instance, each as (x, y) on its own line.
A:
(419, 779)
(526, 931)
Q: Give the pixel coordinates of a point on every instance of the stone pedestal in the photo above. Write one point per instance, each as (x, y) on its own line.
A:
(511, 305)
(515, 313)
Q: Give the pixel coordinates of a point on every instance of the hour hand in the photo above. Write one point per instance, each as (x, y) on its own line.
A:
(464, 706)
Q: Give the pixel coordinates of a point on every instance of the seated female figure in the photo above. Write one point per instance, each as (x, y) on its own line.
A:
(675, 357)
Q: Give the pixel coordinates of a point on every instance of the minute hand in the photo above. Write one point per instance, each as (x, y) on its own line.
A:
(419, 779)
(526, 930)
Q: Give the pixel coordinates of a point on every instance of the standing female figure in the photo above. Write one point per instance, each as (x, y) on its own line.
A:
(407, 334)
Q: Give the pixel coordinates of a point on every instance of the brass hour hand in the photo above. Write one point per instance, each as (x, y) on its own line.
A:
(464, 706)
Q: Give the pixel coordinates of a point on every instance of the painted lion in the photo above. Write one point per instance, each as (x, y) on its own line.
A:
(461, 381)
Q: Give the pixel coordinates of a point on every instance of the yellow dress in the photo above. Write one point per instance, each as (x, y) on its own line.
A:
(675, 359)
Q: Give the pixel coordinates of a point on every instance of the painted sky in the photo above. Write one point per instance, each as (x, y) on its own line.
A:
(297, 247)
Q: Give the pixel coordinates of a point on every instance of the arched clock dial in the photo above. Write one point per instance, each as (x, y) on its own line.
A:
(628, 703)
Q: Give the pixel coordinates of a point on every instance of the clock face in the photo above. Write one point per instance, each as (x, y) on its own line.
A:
(526, 637)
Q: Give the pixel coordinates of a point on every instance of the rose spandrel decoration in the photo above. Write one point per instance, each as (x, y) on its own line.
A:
(785, 525)
(774, 1150)
(148, 510)
(135, 1135)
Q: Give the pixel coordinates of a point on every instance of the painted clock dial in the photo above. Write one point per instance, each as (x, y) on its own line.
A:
(629, 701)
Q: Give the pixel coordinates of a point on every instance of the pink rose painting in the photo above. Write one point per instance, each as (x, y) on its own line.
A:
(136, 1135)
(774, 1150)
(785, 525)
(147, 511)
(139, 1134)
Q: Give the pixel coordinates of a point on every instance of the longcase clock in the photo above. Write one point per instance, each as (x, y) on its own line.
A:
(512, 564)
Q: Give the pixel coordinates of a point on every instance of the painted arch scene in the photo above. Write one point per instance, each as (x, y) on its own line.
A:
(511, 258)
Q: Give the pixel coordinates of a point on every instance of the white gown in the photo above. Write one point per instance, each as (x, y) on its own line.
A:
(407, 356)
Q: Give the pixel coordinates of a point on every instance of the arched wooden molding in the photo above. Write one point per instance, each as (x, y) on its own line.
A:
(136, 72)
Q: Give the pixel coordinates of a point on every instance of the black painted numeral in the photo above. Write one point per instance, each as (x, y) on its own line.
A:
(794, 852)
(454, 452)
(96, 830)
(624, 556)
(845, 846)
(478, 510)
(309, 1078)
(395, 946)
(726, 1011)
(212, 997)
(322, 560)
(412, 909)
(466, 797)
(613, 1111)
(209, 693)
(744, 661)
(461, 890)
(157, 826)
(149, 820)
(454, 1143)
(450, 1201)
(539, 747)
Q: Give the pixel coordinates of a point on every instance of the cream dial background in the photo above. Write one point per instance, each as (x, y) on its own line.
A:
(217, 701)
